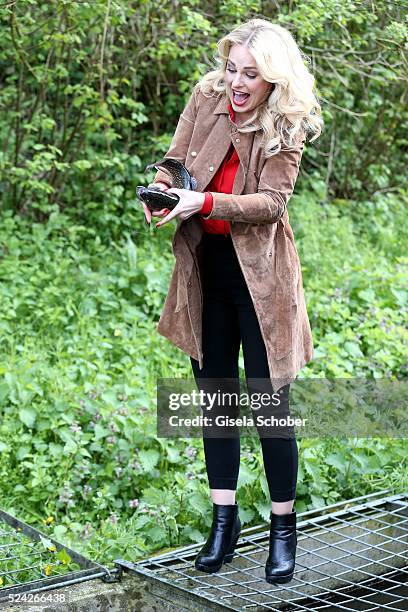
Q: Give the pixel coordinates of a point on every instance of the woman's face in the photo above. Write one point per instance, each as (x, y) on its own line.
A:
(242, 76)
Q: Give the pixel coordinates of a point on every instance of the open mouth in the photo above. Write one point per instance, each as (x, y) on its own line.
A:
(239, 98)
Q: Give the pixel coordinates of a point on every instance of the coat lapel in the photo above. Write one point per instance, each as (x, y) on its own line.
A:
(242, 142)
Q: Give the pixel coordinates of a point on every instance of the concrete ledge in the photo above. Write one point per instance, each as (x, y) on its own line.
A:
(130, 595)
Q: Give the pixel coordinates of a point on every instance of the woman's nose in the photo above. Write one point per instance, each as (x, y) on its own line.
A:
(236, 83)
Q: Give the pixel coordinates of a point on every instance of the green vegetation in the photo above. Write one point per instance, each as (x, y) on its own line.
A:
(23, 559)
(90, 94)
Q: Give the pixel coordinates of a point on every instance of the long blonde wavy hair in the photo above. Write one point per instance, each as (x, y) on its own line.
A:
(292, 109)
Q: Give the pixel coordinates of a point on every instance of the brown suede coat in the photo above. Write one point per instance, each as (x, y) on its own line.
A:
(260, 231)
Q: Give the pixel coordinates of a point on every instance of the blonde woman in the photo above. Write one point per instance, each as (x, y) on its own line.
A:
(237, 277)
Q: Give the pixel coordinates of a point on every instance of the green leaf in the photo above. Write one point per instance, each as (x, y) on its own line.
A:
(246, 476)
(46, 542)
(4, 391)
(173, 455)
(59, 531)
(199, 503)
(148, 459)
(336, 460)
(157, 533)
(22, 452)
(63, 556)
(264, 508)
(70, 447)
(27, 416)
(193, 534)
(100, 432)
(264, 485)
(246, 514)
(318, 502)
(132, 254)
(368, 295)
(353, 349)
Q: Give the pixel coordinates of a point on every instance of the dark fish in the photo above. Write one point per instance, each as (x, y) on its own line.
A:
(180, 176)
(155, 198)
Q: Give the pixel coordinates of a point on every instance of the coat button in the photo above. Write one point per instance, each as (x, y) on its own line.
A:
(193, 153)
(189, 284)
(211, 168)
(237, 140)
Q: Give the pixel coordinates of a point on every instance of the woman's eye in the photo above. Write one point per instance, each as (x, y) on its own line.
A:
(250, 76)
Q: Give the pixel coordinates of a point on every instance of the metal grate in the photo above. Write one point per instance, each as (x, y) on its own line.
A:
(350, 556)
(31, 561)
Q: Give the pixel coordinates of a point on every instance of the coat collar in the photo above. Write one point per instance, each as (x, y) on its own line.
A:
(222, 105)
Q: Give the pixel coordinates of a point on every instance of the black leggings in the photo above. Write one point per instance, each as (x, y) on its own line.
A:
(229, 318)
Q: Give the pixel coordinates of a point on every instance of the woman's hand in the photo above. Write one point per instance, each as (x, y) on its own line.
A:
(156, 213)
(190, 203)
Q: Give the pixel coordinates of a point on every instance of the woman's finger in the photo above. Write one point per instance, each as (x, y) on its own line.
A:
(161, 213)
(173, 213)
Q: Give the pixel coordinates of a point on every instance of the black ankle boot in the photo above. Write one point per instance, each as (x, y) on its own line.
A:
(280, 564)
(220, 545)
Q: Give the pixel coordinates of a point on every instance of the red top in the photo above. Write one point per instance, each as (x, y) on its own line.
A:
(222, 182)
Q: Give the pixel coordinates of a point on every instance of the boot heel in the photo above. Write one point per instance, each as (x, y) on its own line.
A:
(279, 579)
(230, 555)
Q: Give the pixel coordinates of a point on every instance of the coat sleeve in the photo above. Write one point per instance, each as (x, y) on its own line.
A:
(276, 185)
(182, 136)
